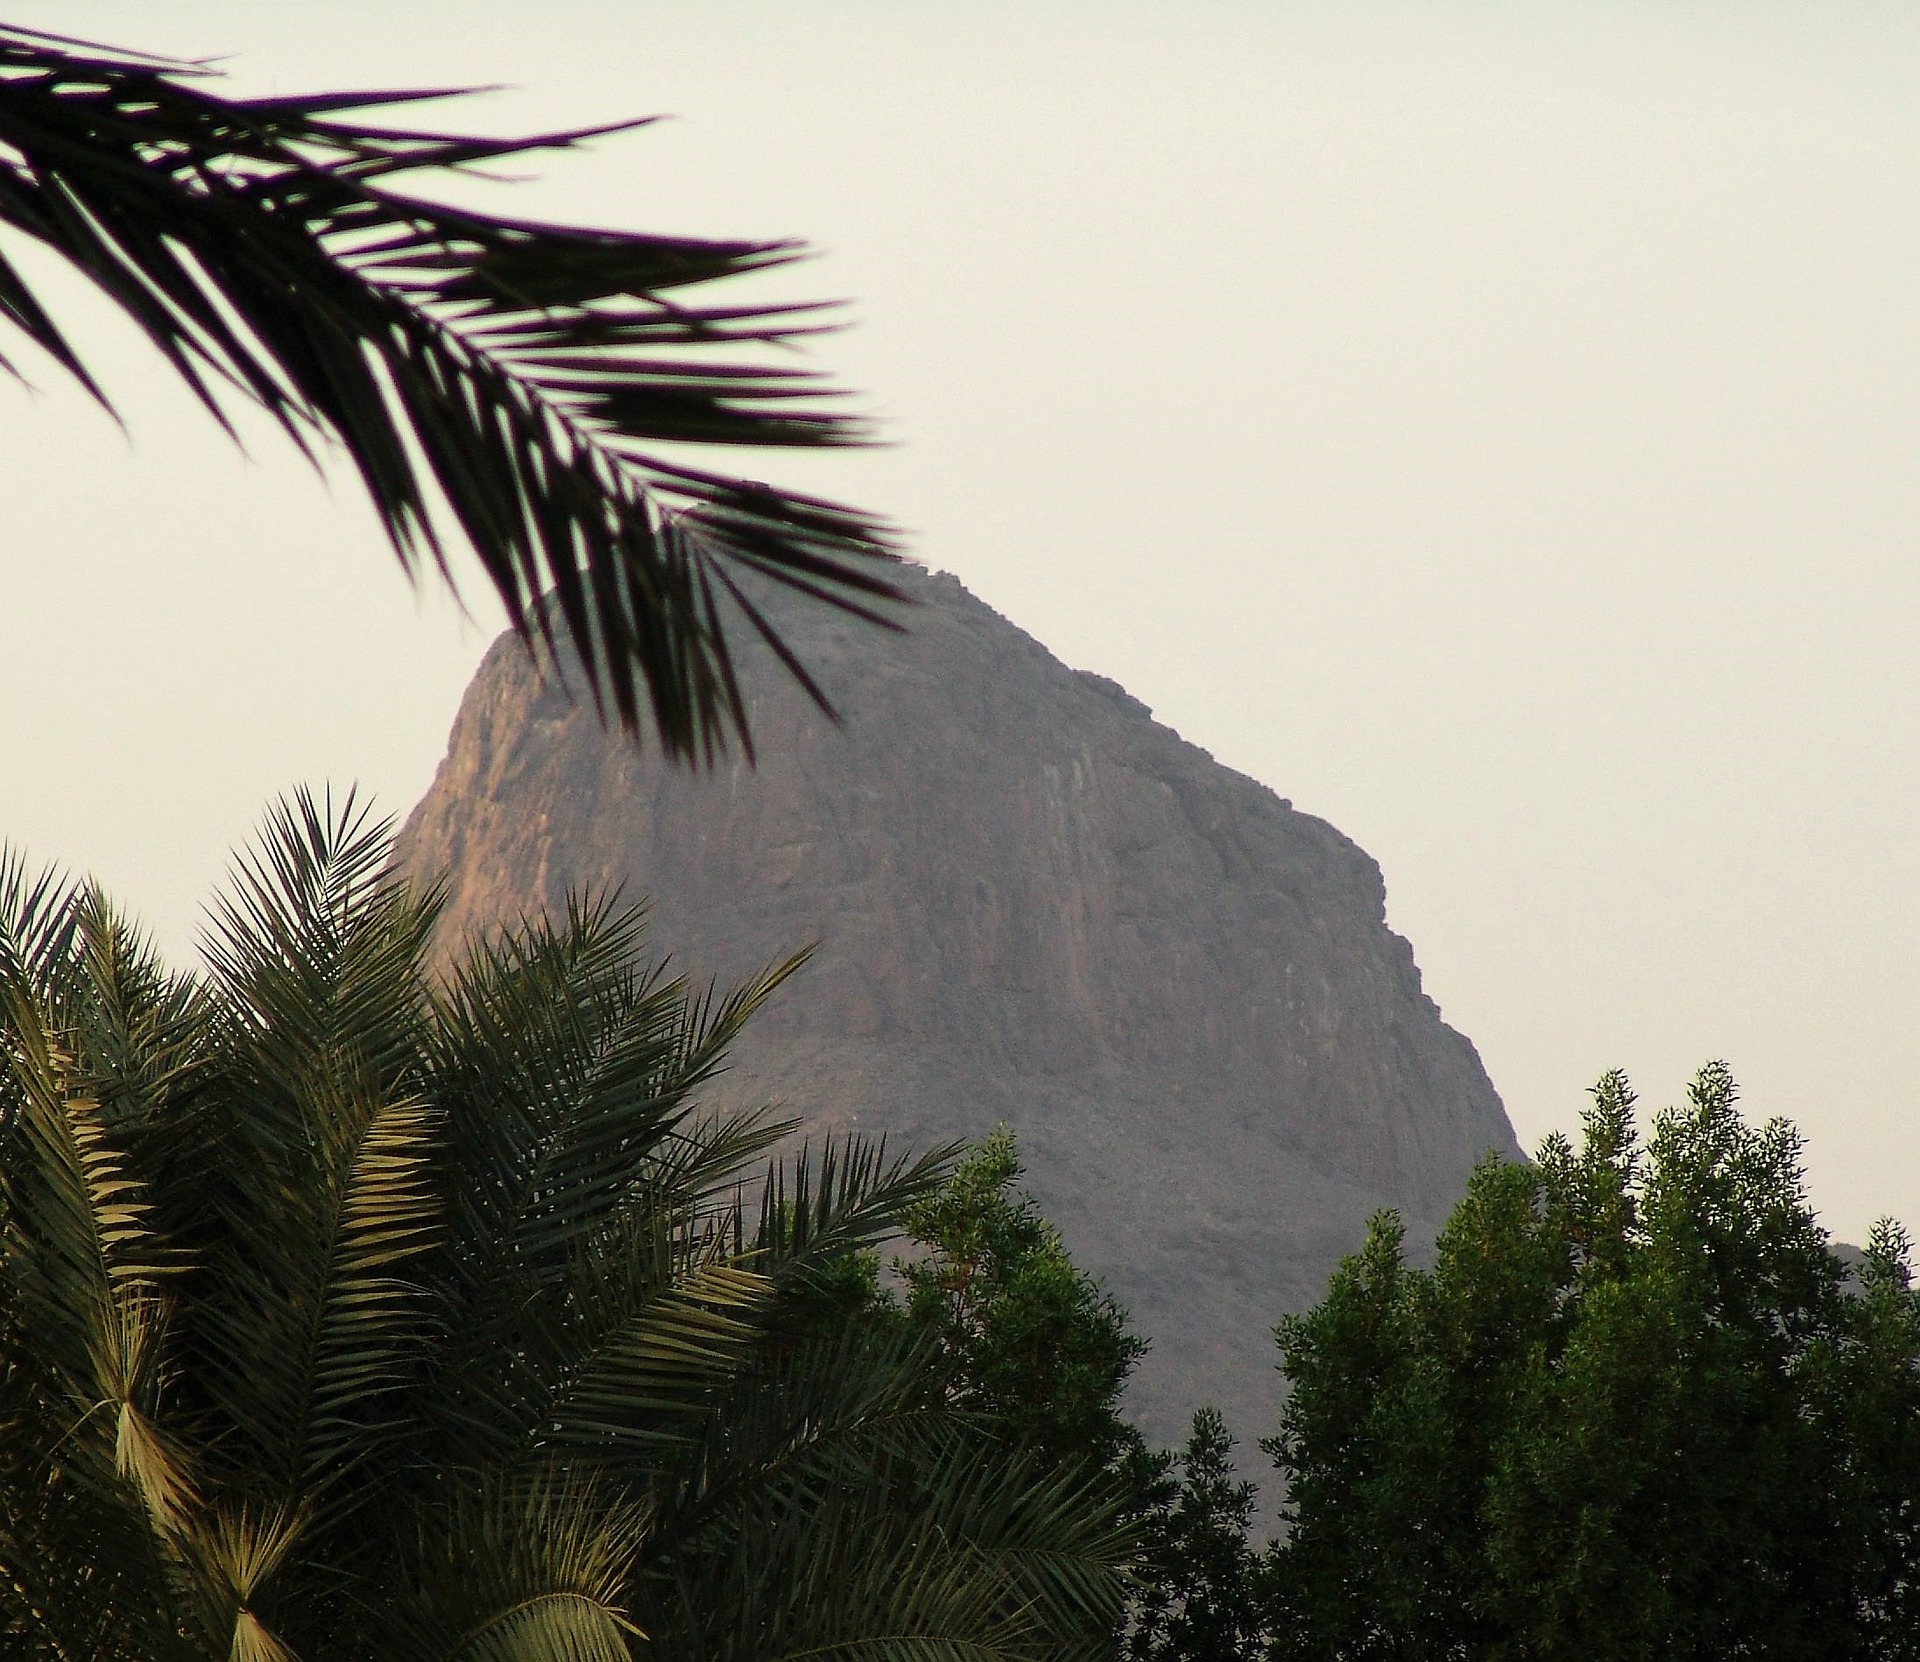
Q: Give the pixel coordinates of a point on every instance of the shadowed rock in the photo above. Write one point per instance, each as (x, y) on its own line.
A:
(1032, 903)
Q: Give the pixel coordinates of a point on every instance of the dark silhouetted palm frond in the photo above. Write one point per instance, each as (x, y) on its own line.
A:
(525, 372)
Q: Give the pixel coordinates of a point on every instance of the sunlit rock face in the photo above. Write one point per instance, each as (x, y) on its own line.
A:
(1032, 903)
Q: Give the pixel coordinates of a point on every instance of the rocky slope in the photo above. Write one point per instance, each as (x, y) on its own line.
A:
(1032, 903)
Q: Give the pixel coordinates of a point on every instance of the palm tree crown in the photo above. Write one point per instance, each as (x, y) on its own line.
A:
(347, 1312)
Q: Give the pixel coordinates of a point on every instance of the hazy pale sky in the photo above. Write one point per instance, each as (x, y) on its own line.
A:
(1493, 426)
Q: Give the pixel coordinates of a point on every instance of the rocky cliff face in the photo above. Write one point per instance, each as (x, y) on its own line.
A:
(1032, 903)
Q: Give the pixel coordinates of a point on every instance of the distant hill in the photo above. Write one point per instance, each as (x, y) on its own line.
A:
(1033, 903)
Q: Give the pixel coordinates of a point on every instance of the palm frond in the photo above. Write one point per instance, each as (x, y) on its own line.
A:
(551, 1049)
(94, 1487)
(314, 924)
(317, 951)
(648, 1369)
(701, 1155)
(78, 1216)
(252, 1642)
(85, 1265)
(714, 1021)
(142, 1030)
(231, 1558)
(959, 1551)
(844, 1579)
(591, 1246)
(813, 1415)
(319, 955)
(565, 1069)
(135, 1032)
(555, 1627)
(369, 1329)
(532, 1569)
(127, 1364)
(278, 248)
(1057, 1539)
(39, 917)
(823, 1204)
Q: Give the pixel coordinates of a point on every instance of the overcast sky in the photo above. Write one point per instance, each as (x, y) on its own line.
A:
(1493, 426)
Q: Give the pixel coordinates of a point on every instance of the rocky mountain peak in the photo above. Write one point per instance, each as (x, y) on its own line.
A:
(1031, 903)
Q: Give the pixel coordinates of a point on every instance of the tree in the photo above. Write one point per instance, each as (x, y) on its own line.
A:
(1039, 1348)
(278, 248)
(1636, 1409)
(1201, 1599)
(347, 1313)
(1031, 1339)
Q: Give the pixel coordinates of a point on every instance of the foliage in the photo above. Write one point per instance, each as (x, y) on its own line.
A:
(1201, 1596)
(350, 1313)
(1636, 1409)
(1039, 1348)
(1032, 1340)
(526, 373)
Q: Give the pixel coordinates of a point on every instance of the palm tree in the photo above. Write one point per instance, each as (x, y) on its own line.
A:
(351, 1312)
(523, 374)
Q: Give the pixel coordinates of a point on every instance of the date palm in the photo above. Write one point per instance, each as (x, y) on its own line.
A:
(351, 1312)
(525, 375)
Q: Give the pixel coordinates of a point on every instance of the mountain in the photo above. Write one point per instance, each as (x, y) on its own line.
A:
(1033, 903)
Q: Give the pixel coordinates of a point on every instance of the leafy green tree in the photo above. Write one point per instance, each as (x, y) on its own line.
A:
(1636, 1409)
(1201, 1599)
(280, 249)
(1032, 1340)
(1042, 1351)
(346, 1312)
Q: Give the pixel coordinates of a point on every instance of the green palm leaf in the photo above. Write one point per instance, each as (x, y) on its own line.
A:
(39, 915)
(952, 1549)
(318, 950)
(662, 1351)
(86, 1265)
(560, 1061)
(93, 1047)
(231, 1558)
(532, 1569)
(811, 1416)
(822, 1205)
(370, 1324)
(278, 248)
(583, 1249)
(319, 953)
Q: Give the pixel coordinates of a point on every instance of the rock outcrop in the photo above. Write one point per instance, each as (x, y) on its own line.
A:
(1032, 903)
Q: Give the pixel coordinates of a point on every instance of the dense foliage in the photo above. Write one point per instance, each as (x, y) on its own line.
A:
(1031, 1339)
(1200, 1598)
(1637, 1409)
(1037, 1345)
(350, 1313)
